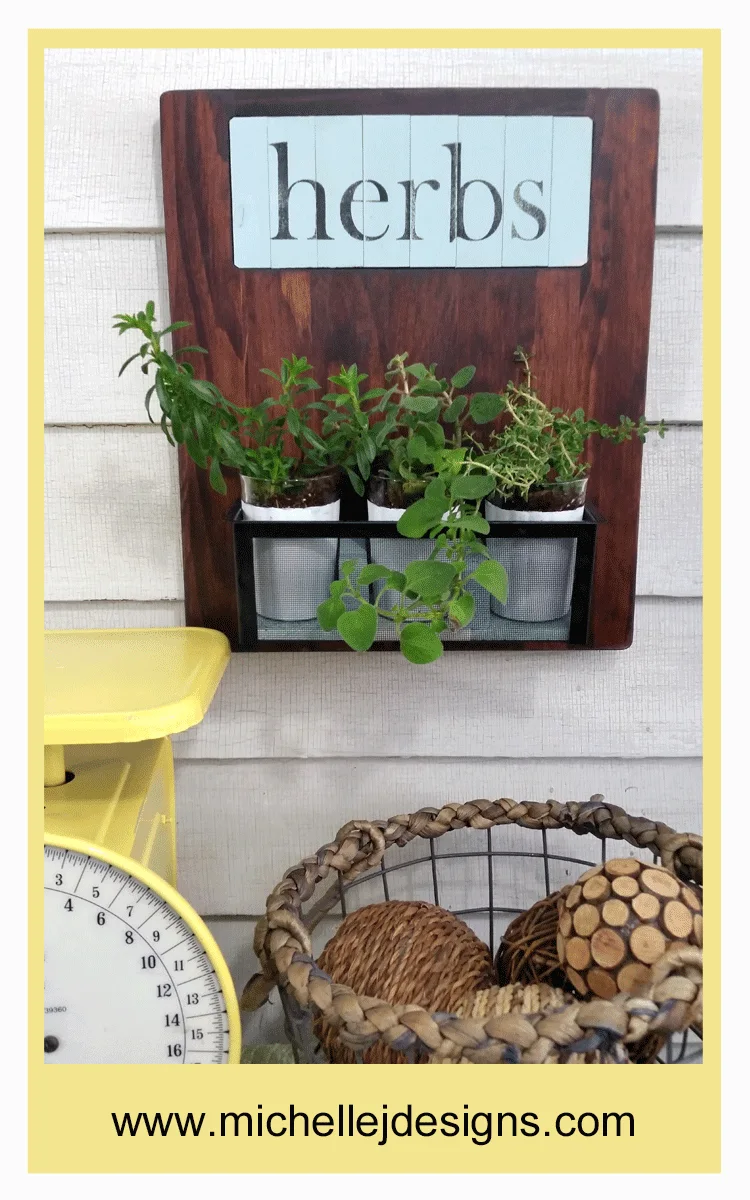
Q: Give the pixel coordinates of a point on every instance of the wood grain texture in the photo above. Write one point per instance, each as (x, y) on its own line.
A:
(102, 106)
(242, 824)
(113, 524)
(588, 327)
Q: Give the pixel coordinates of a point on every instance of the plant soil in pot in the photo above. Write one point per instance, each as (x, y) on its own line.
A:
(388, 500)
(293, 575)
(540, 570)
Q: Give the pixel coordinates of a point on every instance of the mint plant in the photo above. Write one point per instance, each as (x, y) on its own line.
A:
(352, 439)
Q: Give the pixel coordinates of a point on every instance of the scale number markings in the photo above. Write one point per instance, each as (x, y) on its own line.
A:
(126, 980)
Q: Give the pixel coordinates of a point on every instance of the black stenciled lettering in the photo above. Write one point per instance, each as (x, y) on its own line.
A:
(410, 207)
(284, 191)
(458, 199)
(349, 197)
(531, 209)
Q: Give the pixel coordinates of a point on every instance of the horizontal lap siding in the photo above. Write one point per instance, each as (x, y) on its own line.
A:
(639, 703)
(243, 824)
(102, 152)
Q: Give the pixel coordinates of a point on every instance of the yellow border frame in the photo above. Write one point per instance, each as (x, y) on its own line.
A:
(678, 1132)
(185, 911)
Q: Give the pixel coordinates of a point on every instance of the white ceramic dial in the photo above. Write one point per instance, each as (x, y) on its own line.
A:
(127, 977)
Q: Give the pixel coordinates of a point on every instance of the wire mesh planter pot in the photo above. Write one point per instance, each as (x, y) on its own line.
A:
(484, 873)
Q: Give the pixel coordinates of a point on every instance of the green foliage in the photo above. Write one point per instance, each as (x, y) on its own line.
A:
(278, 419)
(430, 596)
(422, 430)
(193, 411)
(353, 440)
(537, 445)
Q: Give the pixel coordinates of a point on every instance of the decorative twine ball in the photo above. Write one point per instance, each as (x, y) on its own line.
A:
(618, 919)
(528, 952)
(403, 952)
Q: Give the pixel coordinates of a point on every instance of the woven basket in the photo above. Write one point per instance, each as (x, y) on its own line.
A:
(670, 1002)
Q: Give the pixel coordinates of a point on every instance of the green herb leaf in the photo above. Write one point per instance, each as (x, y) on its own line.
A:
(396, 580)
(127, 363)
(436, 494)
(493, 578)
(455, 409)
(419, 404)
(359, 626)
(475, 522)
(329, 612)
(472, 487)
(337, 588)
(429, 579)
(485, 406)
(420, 644)
(348, 567)
(215, 477)
(371, 573)
(462, 608)
(462, 377)
(419, 517)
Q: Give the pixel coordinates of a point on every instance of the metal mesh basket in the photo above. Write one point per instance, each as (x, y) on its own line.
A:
(499, 859)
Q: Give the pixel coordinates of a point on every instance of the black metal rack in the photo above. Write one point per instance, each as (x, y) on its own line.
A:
(354, 536)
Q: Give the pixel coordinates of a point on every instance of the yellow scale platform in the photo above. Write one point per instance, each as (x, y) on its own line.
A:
(112, 698)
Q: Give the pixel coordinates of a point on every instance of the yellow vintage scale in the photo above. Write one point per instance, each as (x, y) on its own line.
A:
(131, 972)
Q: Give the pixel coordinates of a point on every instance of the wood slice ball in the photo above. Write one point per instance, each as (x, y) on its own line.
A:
(403, 952)
(618, 919)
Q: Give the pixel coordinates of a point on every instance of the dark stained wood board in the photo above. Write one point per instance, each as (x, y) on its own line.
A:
(587, 326)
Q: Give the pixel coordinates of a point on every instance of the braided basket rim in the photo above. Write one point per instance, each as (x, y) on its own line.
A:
(671, 1001)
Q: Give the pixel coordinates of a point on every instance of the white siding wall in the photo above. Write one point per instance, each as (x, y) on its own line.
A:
(294, 746)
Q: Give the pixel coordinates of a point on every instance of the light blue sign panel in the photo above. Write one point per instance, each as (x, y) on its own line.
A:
(297, 200)
(528, 180)
(410, 191)
(248, 157)
(432, 241)
(480, 180)
(338, 160)
(387, 156)
(571, 188)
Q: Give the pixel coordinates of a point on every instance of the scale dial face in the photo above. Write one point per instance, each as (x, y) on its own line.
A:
(127, 977)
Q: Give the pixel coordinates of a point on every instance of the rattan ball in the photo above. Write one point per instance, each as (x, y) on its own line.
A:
(528, 950)
(618, 919)
(403, 952)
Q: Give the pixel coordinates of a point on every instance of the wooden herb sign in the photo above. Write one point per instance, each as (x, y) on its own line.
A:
(459, 224)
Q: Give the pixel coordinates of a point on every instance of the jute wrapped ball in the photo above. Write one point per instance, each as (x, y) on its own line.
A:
(403, 952)
(618, 919)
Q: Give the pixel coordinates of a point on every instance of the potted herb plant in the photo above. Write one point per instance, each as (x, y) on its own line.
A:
(422, 481)
(536, 461)
(286, 470)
